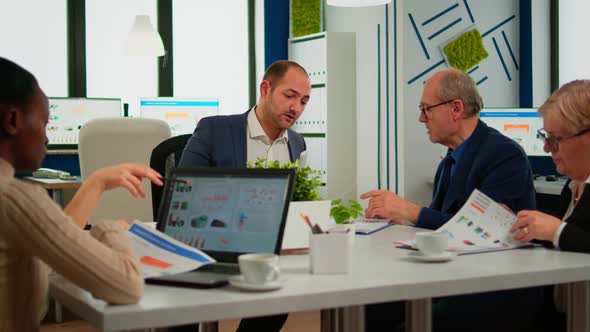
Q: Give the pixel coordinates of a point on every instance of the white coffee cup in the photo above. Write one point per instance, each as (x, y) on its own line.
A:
(432, 243)
(259, 268)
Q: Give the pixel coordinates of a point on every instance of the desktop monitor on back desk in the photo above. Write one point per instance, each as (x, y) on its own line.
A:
(68, 115)
(181, 114)
(521, 125)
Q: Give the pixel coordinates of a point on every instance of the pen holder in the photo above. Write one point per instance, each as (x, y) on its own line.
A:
(349, 229)
(329, 253)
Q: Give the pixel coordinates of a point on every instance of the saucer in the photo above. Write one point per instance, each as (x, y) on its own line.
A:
(239, 282)
(443, 257)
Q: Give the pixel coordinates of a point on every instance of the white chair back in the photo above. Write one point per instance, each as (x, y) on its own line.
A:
(112, 141)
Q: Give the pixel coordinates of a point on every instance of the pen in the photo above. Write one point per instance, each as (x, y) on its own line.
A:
(318, 229)
(306, 220)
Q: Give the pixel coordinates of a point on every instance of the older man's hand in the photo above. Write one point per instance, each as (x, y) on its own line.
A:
(387, 205)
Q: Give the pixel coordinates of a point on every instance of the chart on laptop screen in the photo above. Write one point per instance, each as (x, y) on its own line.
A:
(519, 124)
(232, 214)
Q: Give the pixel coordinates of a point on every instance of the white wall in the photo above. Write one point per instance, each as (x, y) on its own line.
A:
(37, 41)
(418, 157)
(364, 22)
(573, 46)
(541, 51)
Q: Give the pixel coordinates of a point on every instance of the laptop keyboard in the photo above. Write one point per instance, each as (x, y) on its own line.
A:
(220, 268)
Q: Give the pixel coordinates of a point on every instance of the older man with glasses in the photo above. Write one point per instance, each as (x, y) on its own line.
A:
(478, 157)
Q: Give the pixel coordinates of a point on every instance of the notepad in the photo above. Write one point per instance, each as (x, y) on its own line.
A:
(370, 226)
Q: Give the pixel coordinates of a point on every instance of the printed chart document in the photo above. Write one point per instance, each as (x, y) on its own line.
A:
(481, 225)
(365, 226)
(160, 254)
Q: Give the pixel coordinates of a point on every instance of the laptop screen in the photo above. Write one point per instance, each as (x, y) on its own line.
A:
(227, 210)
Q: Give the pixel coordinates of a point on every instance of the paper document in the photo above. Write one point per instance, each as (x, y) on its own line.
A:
(369, 226)
(160, 254)
(480, 225)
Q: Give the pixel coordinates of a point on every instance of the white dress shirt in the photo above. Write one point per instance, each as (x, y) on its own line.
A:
(259, 145)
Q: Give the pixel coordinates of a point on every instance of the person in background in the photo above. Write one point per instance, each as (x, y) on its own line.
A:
(566, 133)
(36, 235)
(261, 132)
(478, 157)
(566, 121)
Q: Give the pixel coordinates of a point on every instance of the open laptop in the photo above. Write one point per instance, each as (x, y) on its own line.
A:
(224, 212)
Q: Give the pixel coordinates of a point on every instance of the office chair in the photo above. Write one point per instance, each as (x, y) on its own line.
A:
(112, 141)
(165, 156)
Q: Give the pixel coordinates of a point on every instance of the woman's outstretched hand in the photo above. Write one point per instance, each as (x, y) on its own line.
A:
(128, 176)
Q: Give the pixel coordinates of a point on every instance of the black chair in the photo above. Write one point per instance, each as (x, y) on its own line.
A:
(165, 156)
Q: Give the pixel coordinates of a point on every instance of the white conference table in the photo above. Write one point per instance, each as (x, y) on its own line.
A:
(380, 272)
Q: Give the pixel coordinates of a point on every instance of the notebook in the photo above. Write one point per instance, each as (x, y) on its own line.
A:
(225, 213)
(364, 226)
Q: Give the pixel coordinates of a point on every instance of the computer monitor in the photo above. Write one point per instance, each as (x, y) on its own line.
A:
(68, 115)
(181, 114)
(520, 124)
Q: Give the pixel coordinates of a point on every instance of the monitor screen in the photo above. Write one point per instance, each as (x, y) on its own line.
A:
(226, 211)
(520, 124)
(181, 114)
(68, 115)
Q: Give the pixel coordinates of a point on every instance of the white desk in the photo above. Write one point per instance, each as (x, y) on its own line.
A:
(57, 186)
(543, 186)
(380, 273)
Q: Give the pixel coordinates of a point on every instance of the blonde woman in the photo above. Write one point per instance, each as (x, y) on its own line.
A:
(566, 132)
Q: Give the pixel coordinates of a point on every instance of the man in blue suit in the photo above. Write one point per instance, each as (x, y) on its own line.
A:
(261, 132)
(478, 157)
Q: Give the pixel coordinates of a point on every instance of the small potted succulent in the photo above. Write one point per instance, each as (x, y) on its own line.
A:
(345, 213)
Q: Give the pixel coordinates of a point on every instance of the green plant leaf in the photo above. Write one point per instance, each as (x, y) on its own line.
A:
(342, 212)
(341, 217)
(307, 181)
(355, 205)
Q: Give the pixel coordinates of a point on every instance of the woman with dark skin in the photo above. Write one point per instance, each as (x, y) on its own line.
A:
(36, 236)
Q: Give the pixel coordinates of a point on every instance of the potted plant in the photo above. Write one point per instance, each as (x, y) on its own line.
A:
(345, 213)
(306, 183)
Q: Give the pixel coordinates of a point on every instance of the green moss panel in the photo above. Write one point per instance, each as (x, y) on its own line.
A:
(466, 51)
(305, 17)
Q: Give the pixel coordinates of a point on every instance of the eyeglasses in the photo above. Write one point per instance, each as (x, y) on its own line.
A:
(553, 142)
(424, 109)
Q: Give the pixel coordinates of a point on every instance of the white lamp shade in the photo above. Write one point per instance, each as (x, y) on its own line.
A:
(143, 38)
(357, 3)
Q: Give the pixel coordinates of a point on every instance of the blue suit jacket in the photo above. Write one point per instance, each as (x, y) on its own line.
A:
(220, 141)
(491, 163)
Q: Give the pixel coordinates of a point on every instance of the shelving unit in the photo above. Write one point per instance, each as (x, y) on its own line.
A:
(329, 121)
